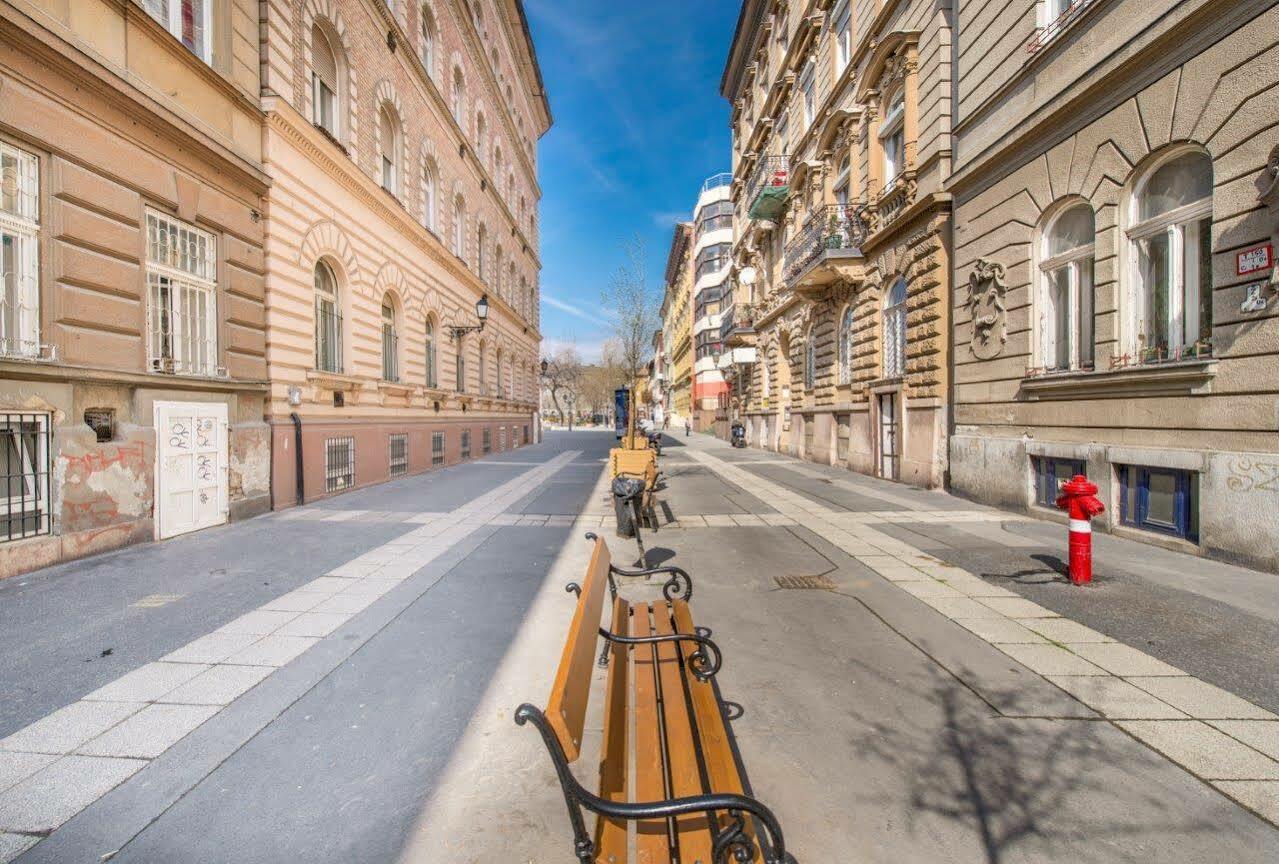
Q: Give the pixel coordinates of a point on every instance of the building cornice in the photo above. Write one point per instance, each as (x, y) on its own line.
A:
(284, 119)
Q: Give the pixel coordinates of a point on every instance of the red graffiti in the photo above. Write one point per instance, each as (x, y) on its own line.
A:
(129, 455)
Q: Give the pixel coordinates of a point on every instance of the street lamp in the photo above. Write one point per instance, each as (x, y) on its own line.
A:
(481, 312)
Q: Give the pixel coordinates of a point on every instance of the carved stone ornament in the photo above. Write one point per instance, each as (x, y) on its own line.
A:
(986, 291)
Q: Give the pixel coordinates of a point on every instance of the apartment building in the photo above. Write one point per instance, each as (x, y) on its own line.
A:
(402, 238)
(1114, 313)
(677, 324)
(132, 347)
(840, 118)
(711, 251)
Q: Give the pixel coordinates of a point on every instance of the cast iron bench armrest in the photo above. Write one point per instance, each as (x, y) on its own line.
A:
(733, 844)
(704, 662)
(671, 589)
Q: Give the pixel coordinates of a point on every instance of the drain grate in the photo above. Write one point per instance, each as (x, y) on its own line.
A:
(818, 583)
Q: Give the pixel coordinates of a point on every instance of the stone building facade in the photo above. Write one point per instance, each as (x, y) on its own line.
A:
(1115, 308)
(677, 324)
(401, 145)
(132, 346)
(840, 116)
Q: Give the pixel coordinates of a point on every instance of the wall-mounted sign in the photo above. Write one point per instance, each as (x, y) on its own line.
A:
(1254, 260)
(1255, 300)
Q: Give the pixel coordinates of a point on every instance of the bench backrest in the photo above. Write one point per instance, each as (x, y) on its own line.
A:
(640, 462)
(566, 709)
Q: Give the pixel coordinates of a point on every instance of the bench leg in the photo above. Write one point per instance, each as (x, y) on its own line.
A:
(583, 846)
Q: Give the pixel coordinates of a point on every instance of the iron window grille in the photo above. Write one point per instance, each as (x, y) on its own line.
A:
(27, 476)
(501, 439)
(339, 464)
(182, 297)
(19, 253)
(486, 440)
(399, 455)
(466, 444)
(390, 346)
(1051, 474)
(437, 449)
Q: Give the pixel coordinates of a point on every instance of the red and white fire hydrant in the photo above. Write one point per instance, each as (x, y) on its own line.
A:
(1079, 498)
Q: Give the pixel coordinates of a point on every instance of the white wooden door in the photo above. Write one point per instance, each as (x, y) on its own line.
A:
(191, 466)
(888, 429)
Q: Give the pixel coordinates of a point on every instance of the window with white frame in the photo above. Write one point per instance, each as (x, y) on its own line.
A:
(27, 474)
(182, 312)
(894, 335)
(1065, 314)
(892, 138)
(432, 379)
(843, 181)
(459, 227)
(843, 19)
(188, 20)
(389, 131)
(1170, 256)
(427, 49)
(324, 81)
(808, 87)
(328, 320)
(390, 344)
(19, 253)
(846, 346)
(430, 183)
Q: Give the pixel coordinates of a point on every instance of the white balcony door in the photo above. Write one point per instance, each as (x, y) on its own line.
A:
(191, 466)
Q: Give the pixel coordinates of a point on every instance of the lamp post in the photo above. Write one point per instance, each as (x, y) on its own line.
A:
(482, 312)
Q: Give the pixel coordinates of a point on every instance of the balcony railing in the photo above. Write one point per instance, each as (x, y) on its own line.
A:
(722, 179)
(768, 187)
(831, 230)
(736, 321)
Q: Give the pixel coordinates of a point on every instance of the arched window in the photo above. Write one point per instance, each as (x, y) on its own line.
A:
(389, 131)
(810, 361)
(328, 320)
(458, 97)
(481, 133)
(390, 342)
(497, 271)
(324, 81)
(497, 366)
(430, 182)
(510, 188)
(460, 366)
(459, 227)
(481, 242)
(895, 329)
(846, 346)
(432, 379)
(510, 283)
(428, 40)
(1065, 319)
(1170, 253)
(497, 161)
(892, 138)
(484, 382)
(525, 299)
(843, 181)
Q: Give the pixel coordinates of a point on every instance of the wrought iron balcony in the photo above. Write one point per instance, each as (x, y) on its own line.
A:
(737, 326)
(832, 235)
(768, 187)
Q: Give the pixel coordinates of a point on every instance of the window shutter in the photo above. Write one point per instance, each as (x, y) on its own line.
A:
(322, 59)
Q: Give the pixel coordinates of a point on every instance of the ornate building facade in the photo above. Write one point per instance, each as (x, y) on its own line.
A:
(401, 145)
(840, 117)
(1115, 308)
(132, 348)
(677, 324)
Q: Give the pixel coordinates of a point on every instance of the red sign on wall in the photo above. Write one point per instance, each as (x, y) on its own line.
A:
(1255, 259)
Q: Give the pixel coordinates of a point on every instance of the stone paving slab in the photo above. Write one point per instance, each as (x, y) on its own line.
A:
(1064, 630)
(272, 651)
(1204, 751)
(15, 767)
(13, 845)
(345, 604)
(150, 732)
(314, 624)
(221, 685)
(1123, 660)
(1201, 699)
(1000, 630)
(1260, 796)
(297, 601)
(1116, 698)
(1260, 735)
(1016, 607)
(960, 608)
(147, 683)
(1050, 660)
(215, 647)
(49, 797)
(929, 588)
(69, 727)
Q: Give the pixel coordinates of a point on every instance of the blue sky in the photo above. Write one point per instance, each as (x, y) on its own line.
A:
(639, 124)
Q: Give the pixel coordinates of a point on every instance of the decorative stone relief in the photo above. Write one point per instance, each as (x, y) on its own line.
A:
(986, 291)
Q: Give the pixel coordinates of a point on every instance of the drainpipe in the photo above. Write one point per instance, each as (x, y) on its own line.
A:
(297, 449)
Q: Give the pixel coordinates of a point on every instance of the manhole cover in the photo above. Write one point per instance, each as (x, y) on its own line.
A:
(821, 583)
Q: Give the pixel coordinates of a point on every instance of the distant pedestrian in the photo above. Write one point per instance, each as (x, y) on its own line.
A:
(688, 428)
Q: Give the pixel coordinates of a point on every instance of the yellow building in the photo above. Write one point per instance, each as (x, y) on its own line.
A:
(677, 324)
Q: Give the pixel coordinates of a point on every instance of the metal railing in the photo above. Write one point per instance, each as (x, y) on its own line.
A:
(830, 228)
(1049, 31)
(724, 178)
(770, 172)
(738, 318)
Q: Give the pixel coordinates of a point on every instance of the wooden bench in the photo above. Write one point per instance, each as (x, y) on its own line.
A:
(663, 732)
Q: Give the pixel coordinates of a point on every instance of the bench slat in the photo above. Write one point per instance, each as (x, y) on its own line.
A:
(610, 834)
(652, 838)
(566, 709)
(721, 766)
(693, 831)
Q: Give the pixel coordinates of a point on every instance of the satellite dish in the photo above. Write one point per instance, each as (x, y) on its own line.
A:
(747, 276)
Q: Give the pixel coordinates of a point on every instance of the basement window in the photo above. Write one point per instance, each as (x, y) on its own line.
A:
(486, 441)
(501, 439)
(24, 511)
(437, 449)
(399, 455)
(466, 444)
(1160, 500)
(339, 464)
(1051, 474)
(102, 422)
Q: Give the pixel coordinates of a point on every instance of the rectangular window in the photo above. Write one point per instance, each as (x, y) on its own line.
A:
(399, 455)
(27, 476)
(1175, 273)
(501, 439)
(328, 335)
(339, 464)
(1050, 474)
(526, 435)
(808, 88)
(437, 449)
(187, 20)
(1162, 500)
(486, 441)
(19, 253)
(182, 311)
(466, 444)
(843, 36)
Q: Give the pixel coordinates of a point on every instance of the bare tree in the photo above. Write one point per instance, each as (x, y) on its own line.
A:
(600, 381)
(562, 376)
(634, 306)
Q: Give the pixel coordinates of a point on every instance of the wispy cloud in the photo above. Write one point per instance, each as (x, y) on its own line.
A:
(574, 310)
(668, 218)
(590, 352)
